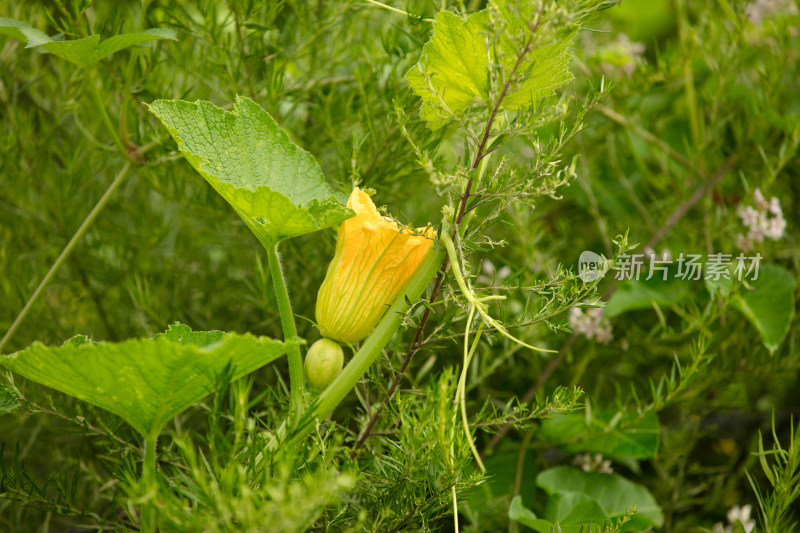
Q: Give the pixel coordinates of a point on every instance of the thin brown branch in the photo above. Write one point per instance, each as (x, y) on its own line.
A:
(698, 194)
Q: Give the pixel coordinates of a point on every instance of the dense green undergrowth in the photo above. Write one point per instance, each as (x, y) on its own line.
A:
(664, 128)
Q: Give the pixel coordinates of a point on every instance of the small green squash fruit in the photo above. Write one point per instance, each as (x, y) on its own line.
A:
(324, 361)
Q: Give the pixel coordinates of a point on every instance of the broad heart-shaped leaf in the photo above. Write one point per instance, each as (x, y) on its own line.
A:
(146, 381)
(276, 187)
(612, 492)
(608, 432)
(518, 512)
(453, 70)
(84, 52)
(770, 305)
(8, 399)
(574, 511)
(569, 512)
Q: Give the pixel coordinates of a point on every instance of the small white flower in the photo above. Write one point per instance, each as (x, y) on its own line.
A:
(748, 215)
(760, 230)
(742, 515)
(775, 207)
(765, 220)
(759, 199)
(739, 513)
(593, 463)
(603, 333)
(776, 228)
(591, 324)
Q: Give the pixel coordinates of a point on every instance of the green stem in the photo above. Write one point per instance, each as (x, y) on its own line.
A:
(695, 120)
(67, 251)
(473, 299)
(101, 108)
(148, 524)
(289, 332)
(395, 10)
(461, 389)
(375, 343)
(455, 506)
(129, 71)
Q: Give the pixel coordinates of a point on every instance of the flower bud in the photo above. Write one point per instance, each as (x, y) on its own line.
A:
(324, 361)
(375, 258)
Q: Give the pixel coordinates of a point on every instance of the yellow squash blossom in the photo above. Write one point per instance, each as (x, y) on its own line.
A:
(375, 258)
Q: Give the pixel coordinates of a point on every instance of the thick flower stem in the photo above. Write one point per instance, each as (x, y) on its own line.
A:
(148, 517)
(375, 343)
(296, 378)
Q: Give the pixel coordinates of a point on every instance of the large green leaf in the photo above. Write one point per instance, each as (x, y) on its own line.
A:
(575, 512)
(567, 512)
(607, 431)
(517, 511)
(146, 381)
(276, 187)
(770, 304)
(86, 51)
(453, 70)
(613, 493)
(116, 43)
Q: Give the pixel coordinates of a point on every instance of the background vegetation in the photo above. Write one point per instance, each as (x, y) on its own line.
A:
(699, 108)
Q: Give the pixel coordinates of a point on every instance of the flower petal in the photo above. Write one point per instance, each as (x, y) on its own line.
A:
(375, 257)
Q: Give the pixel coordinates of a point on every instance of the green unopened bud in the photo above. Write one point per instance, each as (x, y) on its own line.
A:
(324, 361)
